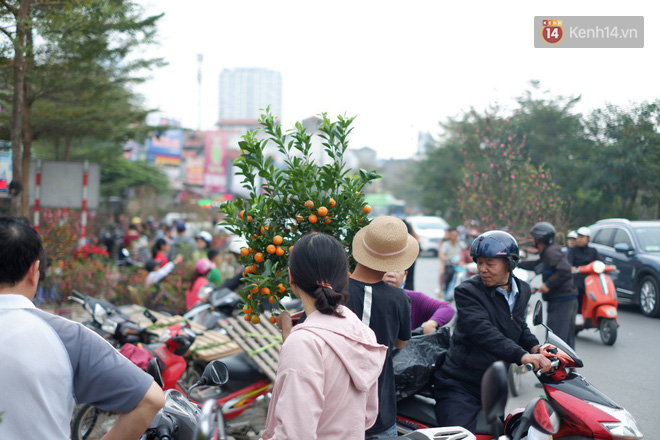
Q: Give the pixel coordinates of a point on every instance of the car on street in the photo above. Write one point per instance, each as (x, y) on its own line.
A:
(430, 230)
(634, 248)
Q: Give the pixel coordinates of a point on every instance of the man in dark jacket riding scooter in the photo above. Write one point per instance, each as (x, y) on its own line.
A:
(490, 326)
(557, 288)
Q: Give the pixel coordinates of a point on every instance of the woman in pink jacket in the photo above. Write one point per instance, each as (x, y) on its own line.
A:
(327, 377)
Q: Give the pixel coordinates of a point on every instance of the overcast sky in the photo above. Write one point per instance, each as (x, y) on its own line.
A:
(400, 67)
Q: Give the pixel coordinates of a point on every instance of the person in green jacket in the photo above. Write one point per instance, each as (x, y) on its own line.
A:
(214, 276)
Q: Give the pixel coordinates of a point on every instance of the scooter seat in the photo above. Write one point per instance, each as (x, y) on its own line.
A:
(418, 408)
(242, 372)
(422, 409)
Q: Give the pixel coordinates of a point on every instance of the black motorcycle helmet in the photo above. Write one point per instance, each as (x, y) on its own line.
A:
(543, 232)
(496, 244)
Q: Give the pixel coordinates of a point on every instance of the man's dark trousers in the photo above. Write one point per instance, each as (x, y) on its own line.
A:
(456, 404)
(561, 319)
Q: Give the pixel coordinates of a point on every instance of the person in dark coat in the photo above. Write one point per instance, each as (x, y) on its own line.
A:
(490, 326)
(557, 288)
(581, 255)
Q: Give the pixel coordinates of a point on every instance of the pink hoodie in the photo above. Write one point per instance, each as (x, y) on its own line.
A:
(327, 380)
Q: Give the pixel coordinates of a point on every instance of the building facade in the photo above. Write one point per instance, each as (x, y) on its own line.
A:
(245, 91)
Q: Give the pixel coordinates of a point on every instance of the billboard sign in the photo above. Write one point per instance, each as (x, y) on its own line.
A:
(215, 167)
(169, 144)
(195, 171)
(164, 151)
(62, 184)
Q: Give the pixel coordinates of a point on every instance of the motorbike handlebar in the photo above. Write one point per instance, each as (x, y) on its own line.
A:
(530, 367)
(77, 294)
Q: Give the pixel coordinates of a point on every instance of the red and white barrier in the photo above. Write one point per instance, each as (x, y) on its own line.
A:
(83, 216)
(37, 195)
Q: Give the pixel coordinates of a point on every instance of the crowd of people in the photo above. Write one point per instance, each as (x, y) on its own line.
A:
(160, 247)
(335, 369)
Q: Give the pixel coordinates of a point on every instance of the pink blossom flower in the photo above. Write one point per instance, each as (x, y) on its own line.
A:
(492, 166)
(513, 176)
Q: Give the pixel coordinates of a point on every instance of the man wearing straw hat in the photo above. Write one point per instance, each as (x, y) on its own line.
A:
(383, 246)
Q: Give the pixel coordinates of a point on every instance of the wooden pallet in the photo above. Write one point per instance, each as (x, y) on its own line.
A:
(261, 341)
(208, 345)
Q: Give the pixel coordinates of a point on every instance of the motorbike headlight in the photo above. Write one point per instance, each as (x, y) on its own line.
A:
(625, 429)
(598, 266)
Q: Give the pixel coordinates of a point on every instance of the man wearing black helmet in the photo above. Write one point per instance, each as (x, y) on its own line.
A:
(490, 326)
(557, 288)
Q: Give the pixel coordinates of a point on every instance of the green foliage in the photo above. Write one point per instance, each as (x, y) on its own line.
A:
(292, 201)
(604, 165)
(80, 72)
(627, 151)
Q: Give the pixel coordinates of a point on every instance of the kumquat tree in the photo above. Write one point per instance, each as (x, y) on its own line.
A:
(296, 196)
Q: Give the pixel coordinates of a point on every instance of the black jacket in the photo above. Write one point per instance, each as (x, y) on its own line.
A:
(579, 256)
(486, 331)
(556, 272)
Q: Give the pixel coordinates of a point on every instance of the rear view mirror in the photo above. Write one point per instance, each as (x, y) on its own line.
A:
(215, 373)
(153, 368)
(622, 248)
(494, 393)
(537, 317)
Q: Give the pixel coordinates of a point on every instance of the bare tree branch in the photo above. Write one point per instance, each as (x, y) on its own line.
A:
(9, 7)
(7, 33)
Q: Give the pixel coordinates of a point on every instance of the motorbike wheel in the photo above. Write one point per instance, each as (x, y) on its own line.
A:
(514, 380)
(608, 329)
(91, 423)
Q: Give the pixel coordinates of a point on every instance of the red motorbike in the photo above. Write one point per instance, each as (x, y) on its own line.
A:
(584, 412)
(599, 305)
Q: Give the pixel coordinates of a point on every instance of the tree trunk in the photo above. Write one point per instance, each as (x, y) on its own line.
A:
(16, 190)
(27, 157)
(68, 144)
(28, 132)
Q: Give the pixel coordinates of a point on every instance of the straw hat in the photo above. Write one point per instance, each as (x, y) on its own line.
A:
(385, 245)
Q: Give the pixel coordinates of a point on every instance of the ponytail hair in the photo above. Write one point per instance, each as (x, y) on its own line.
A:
(319, 266)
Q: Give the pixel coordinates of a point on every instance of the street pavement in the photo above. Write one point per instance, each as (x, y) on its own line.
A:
(627, 372)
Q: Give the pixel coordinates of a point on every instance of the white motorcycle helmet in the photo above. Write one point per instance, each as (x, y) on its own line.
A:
(236, 244)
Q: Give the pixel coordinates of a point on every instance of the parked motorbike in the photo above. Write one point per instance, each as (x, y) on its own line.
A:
(221, 303)
(183, 419)
(599, 304)
(88, 422)
(110, 323)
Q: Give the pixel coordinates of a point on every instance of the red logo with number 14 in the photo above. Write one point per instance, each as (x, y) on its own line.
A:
(552, 31)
